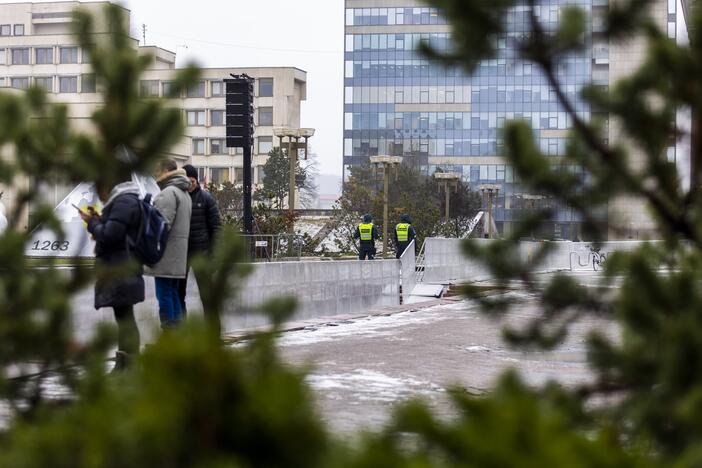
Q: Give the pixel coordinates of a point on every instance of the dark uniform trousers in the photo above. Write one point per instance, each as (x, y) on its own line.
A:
(367, 249)
(401, 246)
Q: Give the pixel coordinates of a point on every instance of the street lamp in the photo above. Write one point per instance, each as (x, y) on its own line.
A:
(386, 162)
(448, 181)
(293, 134)
(491, 190)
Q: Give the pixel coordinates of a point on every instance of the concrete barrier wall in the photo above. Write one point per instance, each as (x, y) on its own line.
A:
(557, 259)
(408, 271)
(445, 261)
(322, 289)
(332, 288)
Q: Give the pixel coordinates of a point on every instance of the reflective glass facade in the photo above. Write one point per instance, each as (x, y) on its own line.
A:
(399, 103)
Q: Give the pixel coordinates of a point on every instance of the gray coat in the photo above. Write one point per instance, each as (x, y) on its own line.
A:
(175, 205)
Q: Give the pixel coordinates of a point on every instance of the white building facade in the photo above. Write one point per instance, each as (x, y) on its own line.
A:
(38, 48)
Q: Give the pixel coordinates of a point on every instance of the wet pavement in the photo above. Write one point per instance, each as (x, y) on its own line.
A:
(362, 368)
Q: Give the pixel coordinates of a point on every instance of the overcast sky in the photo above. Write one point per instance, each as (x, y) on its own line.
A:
(306, 34)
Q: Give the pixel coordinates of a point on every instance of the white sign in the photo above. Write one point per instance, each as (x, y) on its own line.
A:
(261, 243)
(77, 242)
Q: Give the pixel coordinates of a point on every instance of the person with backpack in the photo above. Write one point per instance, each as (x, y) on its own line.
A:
(174, 203)
(205, 223)
(119, 283)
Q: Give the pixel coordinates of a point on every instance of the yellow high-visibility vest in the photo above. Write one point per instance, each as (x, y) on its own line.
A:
(366, 231)
(402, 231)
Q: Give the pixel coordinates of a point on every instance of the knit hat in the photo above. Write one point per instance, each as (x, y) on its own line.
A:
(190, 171)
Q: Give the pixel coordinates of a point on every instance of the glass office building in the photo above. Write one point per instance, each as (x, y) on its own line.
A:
(396, 102)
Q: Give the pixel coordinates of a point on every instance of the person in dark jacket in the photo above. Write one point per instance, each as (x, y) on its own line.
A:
(367, 232)
(119, 283)
(404, 234)
(205, 223)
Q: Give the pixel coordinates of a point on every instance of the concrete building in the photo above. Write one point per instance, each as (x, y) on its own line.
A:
(278, 95)
(37, 48)
(397, 102)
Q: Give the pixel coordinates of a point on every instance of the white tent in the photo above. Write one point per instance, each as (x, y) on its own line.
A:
(77, 241)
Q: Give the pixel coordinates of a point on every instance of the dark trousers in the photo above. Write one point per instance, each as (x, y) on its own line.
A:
(169, 309)
(366, 251)
(212, 318)
(127, 330)
(401, 246)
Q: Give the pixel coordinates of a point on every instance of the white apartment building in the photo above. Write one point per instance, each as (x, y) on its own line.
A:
(37, 48)
(278, 94)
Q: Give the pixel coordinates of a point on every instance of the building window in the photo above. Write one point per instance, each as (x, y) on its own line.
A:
(218, 88)
(19, 82)
(167, 88)
(198, 146)
(202, 175)
(197, 91)
(69, 54)
(195, 117)
(265, 87)
(217, 118)
(3, 57)
(45, 82)
(265, 116)
(44, 55)
(19, 30)
(261, 175)
(20, 56)
(218, 146)
(265, 144)
(87, 83)
(148, 88)
(220, 175)
(68, 84)
(239, 174)
(5, 30)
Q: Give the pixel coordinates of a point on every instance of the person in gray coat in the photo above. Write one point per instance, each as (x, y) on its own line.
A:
(175, 205)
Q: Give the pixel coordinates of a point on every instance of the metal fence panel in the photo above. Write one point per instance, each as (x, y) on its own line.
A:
(408, 263)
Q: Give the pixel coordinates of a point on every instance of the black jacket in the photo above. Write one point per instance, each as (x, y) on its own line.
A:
(119, 218)
(374, 233)
(205, 221)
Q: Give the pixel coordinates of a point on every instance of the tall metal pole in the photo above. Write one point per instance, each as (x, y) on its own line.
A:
(448, 201)
(490, 214)
(386, 184)
(293, 166)
(291, 180)
(248, 211)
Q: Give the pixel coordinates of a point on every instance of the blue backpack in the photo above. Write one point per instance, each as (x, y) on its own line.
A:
(152, 238)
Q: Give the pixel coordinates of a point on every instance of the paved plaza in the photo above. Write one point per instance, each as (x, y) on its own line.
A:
(361, 368)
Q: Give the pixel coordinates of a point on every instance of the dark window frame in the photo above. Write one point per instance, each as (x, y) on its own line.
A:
(264, 111)
(264, 85)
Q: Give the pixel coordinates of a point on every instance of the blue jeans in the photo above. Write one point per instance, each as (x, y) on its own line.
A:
(170, 310)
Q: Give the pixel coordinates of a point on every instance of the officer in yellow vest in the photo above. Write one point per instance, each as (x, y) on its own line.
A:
(368, 234)
(404, 234)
